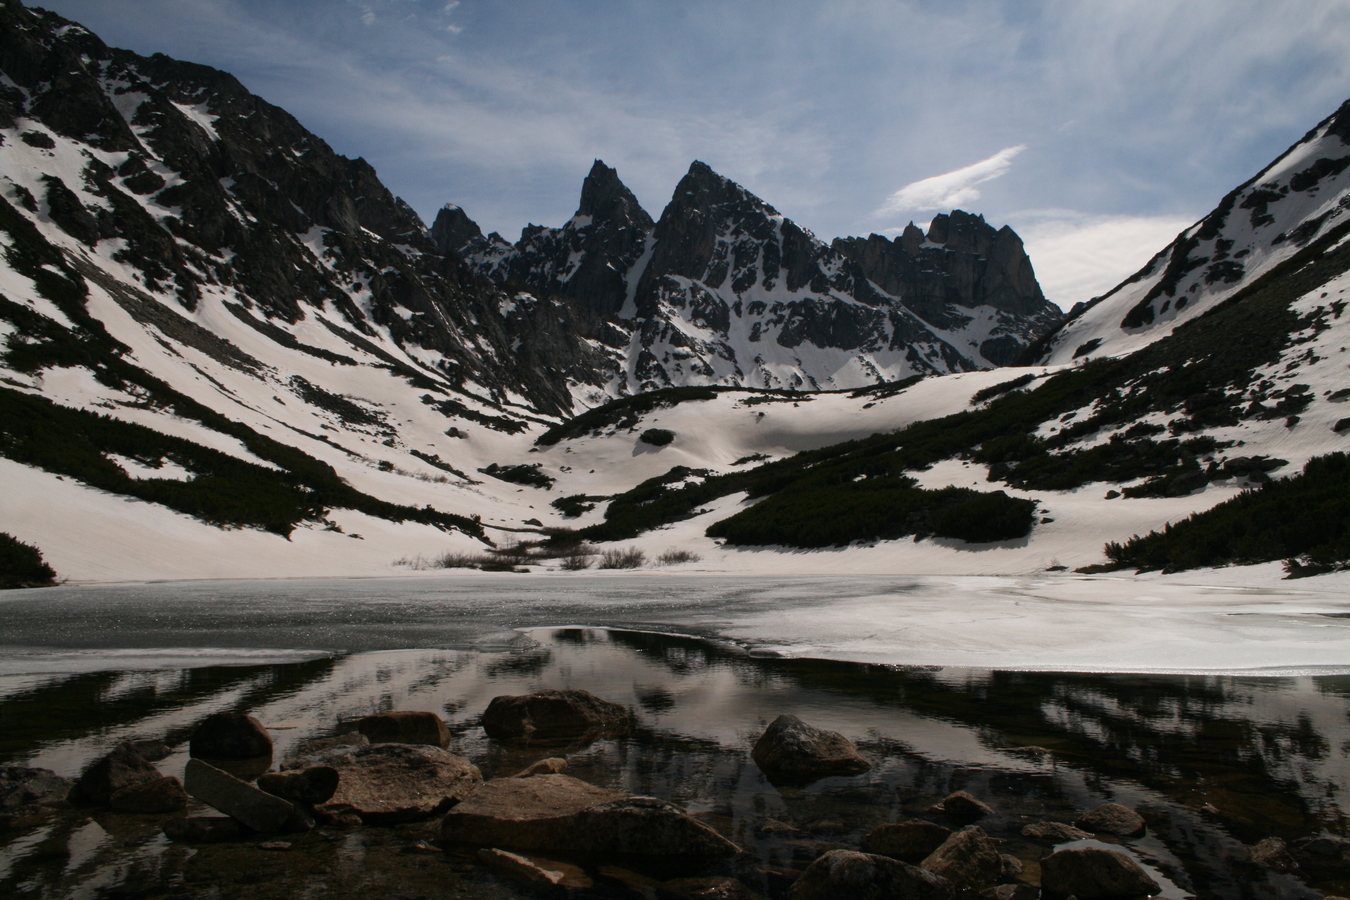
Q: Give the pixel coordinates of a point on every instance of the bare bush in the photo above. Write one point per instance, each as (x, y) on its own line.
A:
(464, 561)
(632, 558)
(575, 562)
(675, 557)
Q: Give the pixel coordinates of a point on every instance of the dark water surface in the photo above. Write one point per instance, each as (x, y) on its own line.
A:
(1213, 762)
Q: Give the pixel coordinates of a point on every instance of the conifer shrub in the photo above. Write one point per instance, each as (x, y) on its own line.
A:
(21, 565)
(657, 437)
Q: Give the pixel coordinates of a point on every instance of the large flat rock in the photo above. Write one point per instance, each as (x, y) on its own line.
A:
(561, 814)
(399, 782)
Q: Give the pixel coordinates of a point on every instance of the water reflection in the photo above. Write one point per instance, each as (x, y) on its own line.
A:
(1214, 762)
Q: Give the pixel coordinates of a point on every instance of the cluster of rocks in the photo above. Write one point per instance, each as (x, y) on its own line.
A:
(396, 767)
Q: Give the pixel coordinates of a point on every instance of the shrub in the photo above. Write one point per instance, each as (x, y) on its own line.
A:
(575, 562)
(675, 557)
(631, 558)
(21, 565)
(657, 437)
(574, 505)
(527, 475)
(995, 390)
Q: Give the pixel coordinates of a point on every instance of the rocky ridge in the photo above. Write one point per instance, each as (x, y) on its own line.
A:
(723, 289)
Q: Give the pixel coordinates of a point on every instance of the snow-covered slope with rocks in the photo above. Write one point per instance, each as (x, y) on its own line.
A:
(723, 289)
(1265, 222)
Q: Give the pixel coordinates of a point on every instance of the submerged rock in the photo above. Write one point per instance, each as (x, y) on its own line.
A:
(910, 841)
(1273, 853)
(204, 829)
(554, 765)
(1094, 873)
(1112, 818)
(712, 888)
(849, 875)
(535, 872)
(388, 783)
(405, 727)
(22, 786)
(1054, 832)
(121, 768)
(553, 716)
(792, 751)
(558, 813)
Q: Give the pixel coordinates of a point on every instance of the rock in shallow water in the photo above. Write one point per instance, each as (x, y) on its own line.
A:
(910, 841)
(848, 875)
(538, 873)
(121, 768)
(203, 829)
(969, 859)
(163, 795)
(405, 727)
(310, 786)
(961, 806)
(256, 808)
(22, 786)
(1112, 818)
(792, 751)
(386, 783)
(553, 716)
(227, 735)
(558, 813)
(1094, 873)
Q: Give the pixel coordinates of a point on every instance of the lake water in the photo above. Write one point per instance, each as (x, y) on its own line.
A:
(1215, 761)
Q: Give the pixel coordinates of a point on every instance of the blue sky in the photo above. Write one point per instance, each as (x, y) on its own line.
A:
(1096, 128)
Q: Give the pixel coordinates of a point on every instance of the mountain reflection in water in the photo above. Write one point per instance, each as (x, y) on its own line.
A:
(1214, 762)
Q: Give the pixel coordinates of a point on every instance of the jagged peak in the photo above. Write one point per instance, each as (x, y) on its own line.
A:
(703, 188)
(453, 229)
(605, 197)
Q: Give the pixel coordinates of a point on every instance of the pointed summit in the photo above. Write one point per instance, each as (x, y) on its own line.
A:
(702, 188)
(605, 197)
(453, 230)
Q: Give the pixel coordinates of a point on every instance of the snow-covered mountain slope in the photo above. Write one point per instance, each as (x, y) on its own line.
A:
(1272, 219)
(723, 289)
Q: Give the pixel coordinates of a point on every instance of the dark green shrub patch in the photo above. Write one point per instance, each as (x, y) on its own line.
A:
(1305, 519)
(657, 437)
(528, 475)
(624, 412)
(826, 515)
(995, 390)
(21, 565)
(574, 505)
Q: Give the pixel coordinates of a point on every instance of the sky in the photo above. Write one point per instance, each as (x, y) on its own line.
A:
(1097, 129)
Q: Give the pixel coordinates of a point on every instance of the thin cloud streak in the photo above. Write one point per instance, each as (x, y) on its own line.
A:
(951, 189)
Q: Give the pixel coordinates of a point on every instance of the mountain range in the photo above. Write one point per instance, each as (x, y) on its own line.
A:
(230, 351)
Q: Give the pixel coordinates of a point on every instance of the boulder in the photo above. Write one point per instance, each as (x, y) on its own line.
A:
(910, 841)
(1273, 853)
(310, 786)
(962, 807)
(121, 768)
(791, 751)
(22, 786)
(256, 808)
(227, 735)
(1112, 818)
(164, 795)
(552, 766)
(545, 874)
(329, 751)
(558, 813)
(863, 876)
(204, 829)
(969, 859)
(151, 751)
(405, 727)
(1094, 873)
(553, 716)
(387, 783)
(1054, 832)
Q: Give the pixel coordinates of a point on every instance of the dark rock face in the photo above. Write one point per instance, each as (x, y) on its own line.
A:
(1093, 873)
(230, 736)
(122, 768)
(1054, 832)
(969, 859)
(792, 751)
(23, 788)
(558, 813)
(237, 799)
(405, 727)
(961, 806)
(552, 716)
(862, 876)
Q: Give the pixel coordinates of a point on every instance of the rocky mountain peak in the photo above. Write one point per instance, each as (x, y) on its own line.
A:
(453, 230)
(605, 198)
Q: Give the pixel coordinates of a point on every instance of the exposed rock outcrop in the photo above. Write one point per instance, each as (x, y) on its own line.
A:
(553, 715)
(405, 727)
(792, 751)
(387, 783)
(1094, 873)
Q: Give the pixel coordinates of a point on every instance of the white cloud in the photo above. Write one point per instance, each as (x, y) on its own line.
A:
(1078, 256)
(952, 189)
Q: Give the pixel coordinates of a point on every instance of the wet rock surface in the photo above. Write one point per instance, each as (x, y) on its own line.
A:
(230, 736)
(910, 841)
(1094, 873)
(399, 782)
(119, 769)
(962, 807)
(792, 751)
(969, 859)
(255, 808)
(310, 786)
(862, 876)
(163, 795)
(553, 715)
(1112, 818)
(409, 727)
